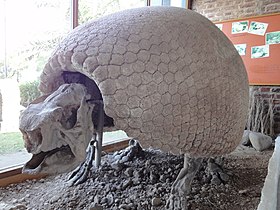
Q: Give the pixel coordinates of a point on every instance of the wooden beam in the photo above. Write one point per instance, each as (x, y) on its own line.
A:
(74, 13)
(18, 177)
(14, 175)
(189, 4)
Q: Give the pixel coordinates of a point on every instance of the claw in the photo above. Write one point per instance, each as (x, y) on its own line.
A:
(128, 153)
(174, 202)
(80, 174)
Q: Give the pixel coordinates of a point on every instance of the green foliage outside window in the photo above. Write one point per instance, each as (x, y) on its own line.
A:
(28, 92)
(11, 143)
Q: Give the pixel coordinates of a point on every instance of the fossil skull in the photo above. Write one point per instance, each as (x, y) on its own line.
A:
(57, 129)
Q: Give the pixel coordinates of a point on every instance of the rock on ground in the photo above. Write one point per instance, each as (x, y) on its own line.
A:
(260, 141)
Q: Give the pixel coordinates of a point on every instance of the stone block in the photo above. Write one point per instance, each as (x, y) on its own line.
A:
(270, 197)
(260, 141)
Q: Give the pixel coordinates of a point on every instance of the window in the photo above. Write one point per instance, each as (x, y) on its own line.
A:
(174, 3)
(89, 9)
(28, 35)
(29, 32)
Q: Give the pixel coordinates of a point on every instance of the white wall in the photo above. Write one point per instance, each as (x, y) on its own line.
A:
(11, 105)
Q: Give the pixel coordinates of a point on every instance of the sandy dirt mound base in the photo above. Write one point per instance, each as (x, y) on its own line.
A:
(144, 183)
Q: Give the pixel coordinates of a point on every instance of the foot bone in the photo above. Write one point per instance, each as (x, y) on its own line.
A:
(214, 173)
(182, 185)
(128, 153)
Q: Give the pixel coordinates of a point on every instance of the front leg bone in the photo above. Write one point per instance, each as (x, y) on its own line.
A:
(99, 132)
(94, 151)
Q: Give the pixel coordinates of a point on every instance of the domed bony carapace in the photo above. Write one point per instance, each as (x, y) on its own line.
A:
(167, 76)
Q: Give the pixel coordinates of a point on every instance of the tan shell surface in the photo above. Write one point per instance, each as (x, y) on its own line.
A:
(167, 75)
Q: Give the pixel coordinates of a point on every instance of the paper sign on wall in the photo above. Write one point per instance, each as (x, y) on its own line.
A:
(239, 27)
(257, 28)
(220, 26)
(260, 51)
(272, 37)
(241, 48)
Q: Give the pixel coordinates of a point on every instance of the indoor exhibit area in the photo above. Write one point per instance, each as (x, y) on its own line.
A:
(140, 105)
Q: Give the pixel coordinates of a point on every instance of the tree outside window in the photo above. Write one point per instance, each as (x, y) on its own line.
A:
(29, 32)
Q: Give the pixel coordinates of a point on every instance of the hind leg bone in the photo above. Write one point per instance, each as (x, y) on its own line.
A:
(182, 185)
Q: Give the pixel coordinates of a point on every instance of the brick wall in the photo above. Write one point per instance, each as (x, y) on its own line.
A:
(269, 95)
(218, 10)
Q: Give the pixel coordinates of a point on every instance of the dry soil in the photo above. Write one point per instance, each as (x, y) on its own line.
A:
(144, 183)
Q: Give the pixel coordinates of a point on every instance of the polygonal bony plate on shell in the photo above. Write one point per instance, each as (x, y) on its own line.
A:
(168, 77)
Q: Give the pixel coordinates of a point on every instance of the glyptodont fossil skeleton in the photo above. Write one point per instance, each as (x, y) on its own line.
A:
(167, 76)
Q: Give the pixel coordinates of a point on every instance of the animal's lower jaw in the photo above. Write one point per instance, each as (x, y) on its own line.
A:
(59, 160)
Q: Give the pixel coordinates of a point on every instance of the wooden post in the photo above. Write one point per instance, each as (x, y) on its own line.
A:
(74, 14)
